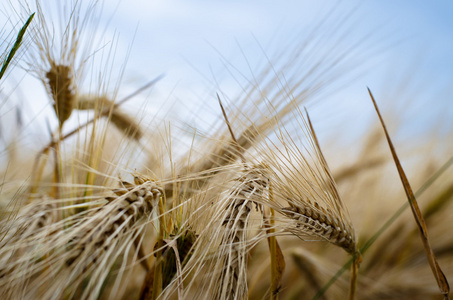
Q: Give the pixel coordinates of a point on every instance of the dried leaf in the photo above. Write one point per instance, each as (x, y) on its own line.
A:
(438, 274)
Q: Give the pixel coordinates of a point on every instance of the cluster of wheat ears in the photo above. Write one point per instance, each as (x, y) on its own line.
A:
(250, 210)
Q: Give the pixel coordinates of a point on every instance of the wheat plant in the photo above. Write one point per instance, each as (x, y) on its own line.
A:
(253, 206)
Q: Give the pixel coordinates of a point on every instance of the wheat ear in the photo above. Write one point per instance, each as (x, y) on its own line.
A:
(110, 231)
(304, 188)
(317, 221)
(128, 205)
(233, 276)
(61, 89)
(29, 225)
(232, 255)
(121, 120)
(83, 254)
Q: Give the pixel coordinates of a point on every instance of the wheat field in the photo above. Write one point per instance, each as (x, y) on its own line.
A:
(113, 190)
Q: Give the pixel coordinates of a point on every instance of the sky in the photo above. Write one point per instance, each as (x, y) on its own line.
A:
(189, 42)
(400, 49)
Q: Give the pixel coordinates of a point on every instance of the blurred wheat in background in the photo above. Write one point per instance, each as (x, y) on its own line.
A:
(269, 178)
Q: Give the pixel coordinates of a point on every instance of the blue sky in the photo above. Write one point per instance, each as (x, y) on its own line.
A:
(408, 47)
(168, 30)
(185, 40)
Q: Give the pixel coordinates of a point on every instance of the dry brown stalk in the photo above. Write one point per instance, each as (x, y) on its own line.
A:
(157, 278)
(277, 259)
(442, 281)
(147, 286)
